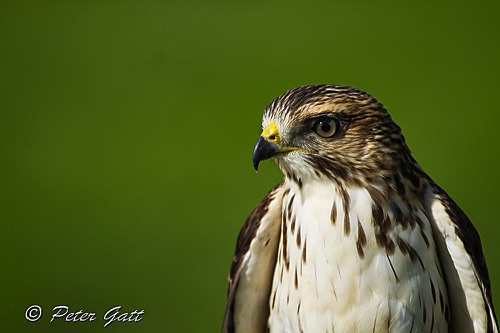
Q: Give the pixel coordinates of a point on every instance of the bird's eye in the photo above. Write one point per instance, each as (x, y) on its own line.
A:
(326, 127)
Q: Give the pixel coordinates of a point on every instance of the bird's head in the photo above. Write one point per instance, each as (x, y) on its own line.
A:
(331, 131)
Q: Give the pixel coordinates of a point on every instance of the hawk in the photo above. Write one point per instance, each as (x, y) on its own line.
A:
(357, 238)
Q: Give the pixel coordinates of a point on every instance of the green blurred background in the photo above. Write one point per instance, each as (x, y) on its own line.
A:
(127, 129)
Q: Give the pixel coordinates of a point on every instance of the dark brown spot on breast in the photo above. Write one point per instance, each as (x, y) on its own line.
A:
(289, 207)
(304, 252)
(284, 244)
(347, 223)
(333, 213)
(346, 203)
(361, 240)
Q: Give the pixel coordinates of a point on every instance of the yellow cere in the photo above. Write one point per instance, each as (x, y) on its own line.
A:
(271, 134)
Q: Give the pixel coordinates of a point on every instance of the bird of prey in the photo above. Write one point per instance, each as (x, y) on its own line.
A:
(357, 238)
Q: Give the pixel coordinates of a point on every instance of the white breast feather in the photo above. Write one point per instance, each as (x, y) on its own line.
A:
(337, 290)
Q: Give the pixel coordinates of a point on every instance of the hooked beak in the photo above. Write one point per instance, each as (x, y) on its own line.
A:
(263, 150)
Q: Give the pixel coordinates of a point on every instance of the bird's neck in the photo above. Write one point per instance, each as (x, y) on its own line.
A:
(345, 210)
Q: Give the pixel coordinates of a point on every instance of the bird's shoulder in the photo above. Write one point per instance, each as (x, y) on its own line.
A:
(256, 245)
(461, 255)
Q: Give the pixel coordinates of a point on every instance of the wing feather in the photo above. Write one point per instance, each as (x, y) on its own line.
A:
(464, 266)
(250, 276)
